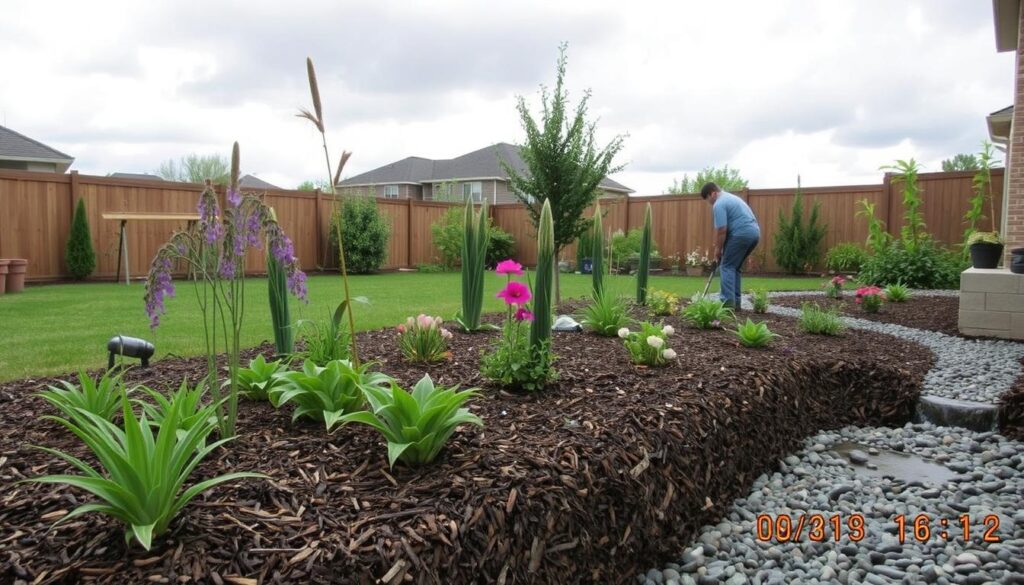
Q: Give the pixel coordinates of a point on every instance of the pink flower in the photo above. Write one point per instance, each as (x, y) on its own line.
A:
(839, 280)
(509, 267)
(401, 329)
(515, 293)
(523, 315)
(424, 321)
(446, 334)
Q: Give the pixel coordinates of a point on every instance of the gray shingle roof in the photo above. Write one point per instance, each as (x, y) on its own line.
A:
(136, 176)
(13, 144)
(251, 182)
(477, 164)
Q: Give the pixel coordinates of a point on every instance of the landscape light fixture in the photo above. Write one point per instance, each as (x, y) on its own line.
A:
(132, 347)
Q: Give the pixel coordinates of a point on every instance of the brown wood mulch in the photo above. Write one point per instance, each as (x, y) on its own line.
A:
(607, 473)
(920, 312)
(1011, 412)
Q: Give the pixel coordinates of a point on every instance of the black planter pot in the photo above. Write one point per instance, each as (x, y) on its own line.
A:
(986, 255)
(1017, 260)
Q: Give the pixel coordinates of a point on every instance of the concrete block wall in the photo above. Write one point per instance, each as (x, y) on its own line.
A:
(992, 303)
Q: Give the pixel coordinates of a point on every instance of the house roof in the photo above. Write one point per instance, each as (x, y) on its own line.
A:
(16, 146)
(479, 164)
(251, 182)
(136, 176)
(1006, 13)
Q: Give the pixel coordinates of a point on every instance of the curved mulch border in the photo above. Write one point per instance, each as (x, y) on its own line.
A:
(610, 472)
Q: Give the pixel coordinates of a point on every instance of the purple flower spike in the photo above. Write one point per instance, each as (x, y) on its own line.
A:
(159, 286)
(234, 197)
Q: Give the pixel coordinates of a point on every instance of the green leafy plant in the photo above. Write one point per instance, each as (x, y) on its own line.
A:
(797, 246)
(983, 238)
(584, 246)
(79, 254)
(625, 250)
(417, 425)
(663, 303)
(514, 363)
(707, 313)
(277, 293)
(540, 329)
(422, 339)
(834, 287)
(925, 266)
(878, 238)
(870, 298)
(325, 340)
(729, 179)
(753, 334)
(605, 314)
(256, 381)
(649, 345)
(327, 393)
(367, 233)
(474, 254)
(644, 268)
(897, 293)
(905, 173)
(814, 319)
(597, 251)
(101, 397)
(140, 475)
(846, 257)
(759, 299)
(428, 268)
(188, 400)
(448, 237)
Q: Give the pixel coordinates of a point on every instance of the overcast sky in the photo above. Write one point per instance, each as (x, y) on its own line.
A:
(829, 90)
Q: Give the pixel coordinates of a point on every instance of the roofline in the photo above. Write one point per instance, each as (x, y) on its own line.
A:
(343, 184)
(1005, 16)
(66, 161)
(466, 179)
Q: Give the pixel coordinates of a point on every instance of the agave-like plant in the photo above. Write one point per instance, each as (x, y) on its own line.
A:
(140, 475)
(605, 315)
(101, 397)
(753, 334)
(189, 400)
(417, 425)
(256, 381)
(327, 393)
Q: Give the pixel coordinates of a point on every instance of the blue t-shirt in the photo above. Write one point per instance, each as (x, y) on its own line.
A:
(733, 213)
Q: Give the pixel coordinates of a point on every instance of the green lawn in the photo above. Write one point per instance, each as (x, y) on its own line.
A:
(54, 329)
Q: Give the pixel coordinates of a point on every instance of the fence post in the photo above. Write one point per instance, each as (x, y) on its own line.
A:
(408, 234)
(625, 228)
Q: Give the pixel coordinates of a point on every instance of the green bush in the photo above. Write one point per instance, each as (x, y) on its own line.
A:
(797, 244)
(501, 246)
(101, 397)
(759, 298)
(753, 334)
(649, 345)
(845, 257)
(662, 303)
(366, 232)
(814, 319)
(626, 249)
(328, 393)
(514, 363)
(79, 253)
(605, 315)
(926, 265)
(448, 233)
(430, 268)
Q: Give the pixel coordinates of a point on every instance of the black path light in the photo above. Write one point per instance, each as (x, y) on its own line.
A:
(132, 347)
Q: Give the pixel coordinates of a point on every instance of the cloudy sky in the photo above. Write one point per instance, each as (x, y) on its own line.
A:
(829, 90)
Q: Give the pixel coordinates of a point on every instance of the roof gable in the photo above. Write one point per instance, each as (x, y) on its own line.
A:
(17, 146)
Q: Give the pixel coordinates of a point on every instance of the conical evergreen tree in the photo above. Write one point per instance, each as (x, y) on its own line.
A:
(79, 254)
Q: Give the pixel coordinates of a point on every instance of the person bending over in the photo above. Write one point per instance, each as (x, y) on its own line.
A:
(736, 235)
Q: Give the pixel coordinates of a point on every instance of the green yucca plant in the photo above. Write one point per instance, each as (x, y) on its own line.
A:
(280, 316)
(475, 238)
(897, 293)
(188, 400)
(597, 252)
(540, 330)
(256, 381)
(327, 393)
(417, 425)
(643, 270)
(605, 315)
(317, 118)
(140, 475)
(753, 334)
(101, 397)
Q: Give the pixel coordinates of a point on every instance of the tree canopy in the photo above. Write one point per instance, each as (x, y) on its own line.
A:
(729, 179)
(196, 168)
(961, 162)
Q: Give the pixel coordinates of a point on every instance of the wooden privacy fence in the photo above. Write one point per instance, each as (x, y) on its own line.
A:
(36, 211)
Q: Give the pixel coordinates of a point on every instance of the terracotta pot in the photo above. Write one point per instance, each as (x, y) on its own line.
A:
(3, 275)
(16, 275)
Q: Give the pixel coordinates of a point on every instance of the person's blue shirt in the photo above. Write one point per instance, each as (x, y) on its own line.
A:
(732, 212)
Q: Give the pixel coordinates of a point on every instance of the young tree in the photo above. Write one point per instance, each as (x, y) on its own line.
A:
(196, 168)
(563, 164)
(313, 185)
(798, 245)
(79, 254)
(729, 179)
(961, 162)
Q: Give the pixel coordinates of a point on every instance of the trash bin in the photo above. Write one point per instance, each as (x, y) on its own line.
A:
(16, 275)
(588, 266)
(3, 275)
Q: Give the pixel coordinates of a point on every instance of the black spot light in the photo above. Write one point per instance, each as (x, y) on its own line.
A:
(132, 347)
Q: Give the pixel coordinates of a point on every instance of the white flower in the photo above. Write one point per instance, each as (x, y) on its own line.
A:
(655, 341)
(446, 334)
(669, 354)
(668, 330)
(624, 332)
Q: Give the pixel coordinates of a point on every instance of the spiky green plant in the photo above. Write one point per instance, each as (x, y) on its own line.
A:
(540, 330)
(317, 118)
(280, 316)
(326, 340)
(707, 313)
(759, 298)
(819, 321)
(475, 238)
(597, 252)
(753, 334)
(643, 270)
(140, 476)
(191, 413)
(897, 293)
(327, 393)
(605, 315)
(101, 397)
(417, 425)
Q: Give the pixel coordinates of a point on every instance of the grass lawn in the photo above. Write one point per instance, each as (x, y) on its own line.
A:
(53, 329)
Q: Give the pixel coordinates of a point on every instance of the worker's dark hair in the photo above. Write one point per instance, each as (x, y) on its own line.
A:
(708, 189)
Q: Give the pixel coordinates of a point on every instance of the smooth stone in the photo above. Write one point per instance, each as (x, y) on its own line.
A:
(858, 457)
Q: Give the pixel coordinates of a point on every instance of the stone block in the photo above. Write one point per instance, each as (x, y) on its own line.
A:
(984, 320)
(972, 301)
(1017, 326)
(991, 281)
(1012, 303)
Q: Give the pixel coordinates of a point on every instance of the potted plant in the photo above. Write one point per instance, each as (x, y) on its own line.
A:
(986, 249)
(695, 262)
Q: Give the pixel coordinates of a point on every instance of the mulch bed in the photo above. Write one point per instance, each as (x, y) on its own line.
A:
(609, 472)
(938, 314)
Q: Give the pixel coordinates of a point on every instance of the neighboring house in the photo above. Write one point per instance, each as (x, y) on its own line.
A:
(19, 152)
(477, 175)
(251, 182)
(136, 176)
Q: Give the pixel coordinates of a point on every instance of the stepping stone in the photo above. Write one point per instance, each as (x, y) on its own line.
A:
(976, 416)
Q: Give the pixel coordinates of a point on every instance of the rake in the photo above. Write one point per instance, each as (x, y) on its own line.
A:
(707, 287)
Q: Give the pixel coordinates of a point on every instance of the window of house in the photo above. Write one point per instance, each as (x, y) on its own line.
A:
(474, 189)
(391, 191)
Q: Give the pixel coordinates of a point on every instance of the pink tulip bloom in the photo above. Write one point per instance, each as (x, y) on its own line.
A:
(515, 293)
(509, 267)
(424, 322)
